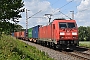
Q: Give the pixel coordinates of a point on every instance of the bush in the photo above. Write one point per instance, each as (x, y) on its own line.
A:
(12, 49)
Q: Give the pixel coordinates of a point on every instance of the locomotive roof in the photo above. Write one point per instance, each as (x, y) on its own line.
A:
(63, 20)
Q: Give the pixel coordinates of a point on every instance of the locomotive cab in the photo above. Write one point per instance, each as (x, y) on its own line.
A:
(66, 33)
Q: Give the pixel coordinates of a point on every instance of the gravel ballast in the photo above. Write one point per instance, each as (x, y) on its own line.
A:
(56, 55)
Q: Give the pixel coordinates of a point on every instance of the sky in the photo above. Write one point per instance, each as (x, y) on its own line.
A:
(58, 8)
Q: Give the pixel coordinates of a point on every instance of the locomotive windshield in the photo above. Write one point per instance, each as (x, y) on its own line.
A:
(66, 25)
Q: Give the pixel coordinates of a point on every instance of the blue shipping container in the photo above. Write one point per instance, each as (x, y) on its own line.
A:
(12, 34)
(35, 31)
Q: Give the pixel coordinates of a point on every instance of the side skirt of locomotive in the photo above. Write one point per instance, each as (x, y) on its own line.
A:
(61, 44)
(46, 42)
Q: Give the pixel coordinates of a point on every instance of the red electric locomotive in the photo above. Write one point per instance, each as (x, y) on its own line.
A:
(60, 33)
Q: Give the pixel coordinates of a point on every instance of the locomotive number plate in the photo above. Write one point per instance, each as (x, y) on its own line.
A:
(67, 33)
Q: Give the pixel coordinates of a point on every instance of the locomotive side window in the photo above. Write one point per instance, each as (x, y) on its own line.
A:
(62, 25)
(71, 25)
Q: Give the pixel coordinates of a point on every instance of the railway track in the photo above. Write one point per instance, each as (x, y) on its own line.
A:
(63, 55)
(78, 55)
(87, 52)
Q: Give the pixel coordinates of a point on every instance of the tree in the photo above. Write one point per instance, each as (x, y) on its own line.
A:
(10, 9)
(7, 27)
(18, 27)
(88, 34)
(83, 33)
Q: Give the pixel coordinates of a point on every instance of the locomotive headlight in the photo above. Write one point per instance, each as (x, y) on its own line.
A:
(62, 33)
(74, 33)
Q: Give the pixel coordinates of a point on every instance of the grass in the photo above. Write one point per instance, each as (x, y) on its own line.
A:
(84, 43)
(14, 49)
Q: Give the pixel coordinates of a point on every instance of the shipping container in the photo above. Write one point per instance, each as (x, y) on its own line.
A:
(40, 32)
(22, 34)
(30, 33)
(35, 31)
(45, 32)
(17, 34)
(13, 34)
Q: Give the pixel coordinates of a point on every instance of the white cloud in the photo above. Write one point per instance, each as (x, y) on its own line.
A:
(84, 4)
(83, 13)
(35, 6)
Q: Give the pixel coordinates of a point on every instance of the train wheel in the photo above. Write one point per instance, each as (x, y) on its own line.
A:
(53, 45)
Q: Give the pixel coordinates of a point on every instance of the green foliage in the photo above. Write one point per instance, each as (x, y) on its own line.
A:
(10, 9)
(84, 43)
(12, 49)
(8, 27)
(84, 33)
(0, 32)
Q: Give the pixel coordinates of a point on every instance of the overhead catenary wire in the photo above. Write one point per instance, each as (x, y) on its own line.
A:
(28, 18)
(38, 17)
(65, 15)
(75, 13)
(64, 6)
(82, 10)
(35, 14)
(52, 4)
(54, 11)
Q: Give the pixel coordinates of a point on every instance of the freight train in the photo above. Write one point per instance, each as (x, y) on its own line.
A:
(60, 33)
